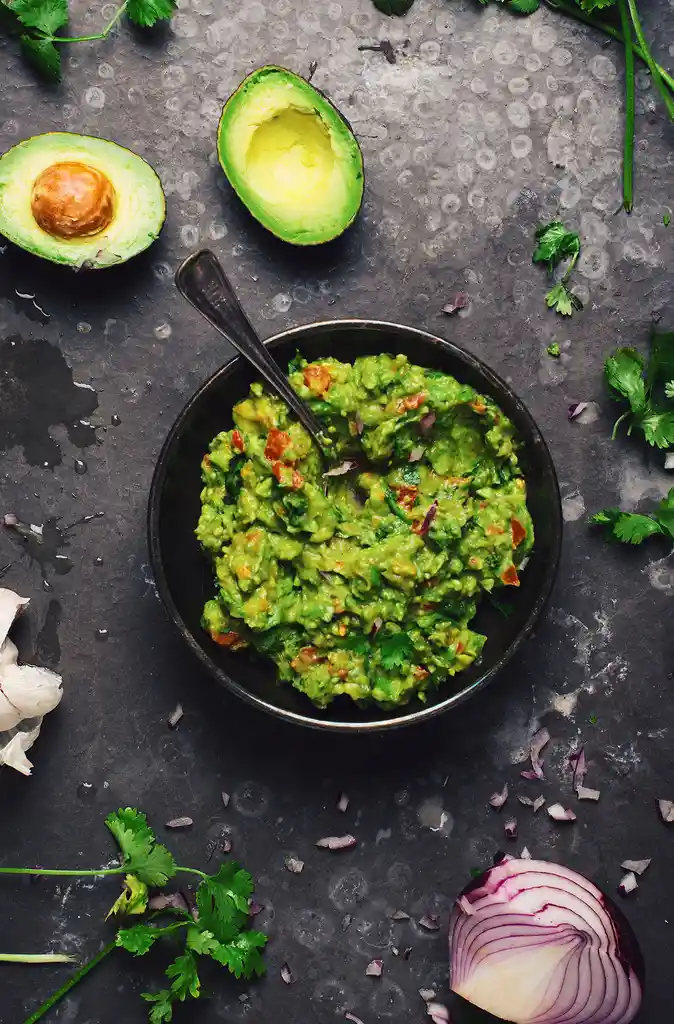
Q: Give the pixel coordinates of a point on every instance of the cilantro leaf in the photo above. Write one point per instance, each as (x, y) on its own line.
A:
(625, 374)
(562, 300)
(595, 5)
(628, 527)
(43, 55)
(664, 513)
(393, 7)
(185, 982)
(669, 389)
(147, 13)
(162, 1010)
(44, 15)
(132, 900)
(658, 428)
(203, 942)
(555, 243)
(524, 6)
(242, 956)
(222, 901)
(141, 854)
(139, 939)
(396, 651)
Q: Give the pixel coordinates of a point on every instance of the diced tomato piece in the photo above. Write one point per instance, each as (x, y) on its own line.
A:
(226, 639)
(510, 577)
(518, 532)
(460, 647)
(413, 401)
(237, 441)
(306, 657)
(406, 496)
(297, 481)
(420, 672)
(317, 378)
(494, 531)
(478, 407)
(206, 462)
(277, 442)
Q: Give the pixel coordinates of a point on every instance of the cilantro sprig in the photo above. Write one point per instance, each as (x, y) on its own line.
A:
(36, 23)
(647, 387)
(633, 528)
(555, 244)
(216, 928)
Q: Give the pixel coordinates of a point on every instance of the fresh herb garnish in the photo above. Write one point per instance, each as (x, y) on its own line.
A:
(633, 528)
(647, 387)
(36, 23)
(554, 244)
(554, 351)
(666, 219)
(218, 930)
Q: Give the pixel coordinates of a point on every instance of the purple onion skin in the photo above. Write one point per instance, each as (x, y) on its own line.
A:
(628, 953)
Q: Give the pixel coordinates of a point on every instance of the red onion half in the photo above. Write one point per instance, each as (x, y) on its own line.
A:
(542, 945)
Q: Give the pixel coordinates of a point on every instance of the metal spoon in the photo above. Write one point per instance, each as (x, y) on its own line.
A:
(203, 282)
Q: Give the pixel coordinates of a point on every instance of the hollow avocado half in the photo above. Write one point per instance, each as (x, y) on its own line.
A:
(78, 200)
(291, 157)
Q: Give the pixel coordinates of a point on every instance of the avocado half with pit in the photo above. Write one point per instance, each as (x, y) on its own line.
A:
(291, 157)
(77, 200)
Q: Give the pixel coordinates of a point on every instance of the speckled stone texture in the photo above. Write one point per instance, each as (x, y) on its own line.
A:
(485, 126)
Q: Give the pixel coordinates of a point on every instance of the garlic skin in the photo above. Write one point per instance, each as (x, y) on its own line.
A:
(27, 692)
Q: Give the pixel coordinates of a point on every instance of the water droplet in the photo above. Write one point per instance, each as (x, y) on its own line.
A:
(98, 560)
(115, 420)
(86, 791)
(101, 635)
(80, 467)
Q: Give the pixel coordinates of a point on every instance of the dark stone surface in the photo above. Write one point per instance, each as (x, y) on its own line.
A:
(485, 126)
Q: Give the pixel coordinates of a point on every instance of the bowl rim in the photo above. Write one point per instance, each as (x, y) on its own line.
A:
(423, 714)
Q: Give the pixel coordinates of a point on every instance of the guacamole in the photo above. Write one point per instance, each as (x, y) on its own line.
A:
(363, 581)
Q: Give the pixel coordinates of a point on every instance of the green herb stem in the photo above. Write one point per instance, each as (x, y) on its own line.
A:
(572, 11)
(657, 79)
(99, 872)
(572, 263)
(99, 35)
(70, 984)
(36, 958)
(628, 144)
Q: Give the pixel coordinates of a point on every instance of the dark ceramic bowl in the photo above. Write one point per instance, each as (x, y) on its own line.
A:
(184, 575)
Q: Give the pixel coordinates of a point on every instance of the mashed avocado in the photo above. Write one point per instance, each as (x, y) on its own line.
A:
(363, 583)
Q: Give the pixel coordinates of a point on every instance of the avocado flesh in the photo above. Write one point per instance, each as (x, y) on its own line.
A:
(139, 206)
(291, 157)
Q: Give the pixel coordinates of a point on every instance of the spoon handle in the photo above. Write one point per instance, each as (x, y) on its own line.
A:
(203, 282)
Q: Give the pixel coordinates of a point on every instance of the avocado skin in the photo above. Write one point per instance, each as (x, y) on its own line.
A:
(252, 79)
(99, 261)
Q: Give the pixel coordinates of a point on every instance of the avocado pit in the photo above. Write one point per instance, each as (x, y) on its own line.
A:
(72, 200)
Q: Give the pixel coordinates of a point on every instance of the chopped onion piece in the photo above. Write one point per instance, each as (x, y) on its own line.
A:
(637, 866)
(534, 804)
(336, 842)
(294, 866)
(666, 808)
(460, 301)
(11, 605)
(497, 800)
(286, 974)
(429, 922)
(164, 901)
(175, 716)
(575, 409)
(426, 422)
(400, 915)
(510, 828)
(525, 855)
(465, 905)
(584, 793)
(343, 802)
(376, 626)
(538, 803)
(544, 946)
(352, 1017)
(558, 813)
(179, 823)
(225, 799)
(428, 519)
(579, 765)
(342, 469)
(416, 454)
(254, 908)
(374, 968)
(438, 1013)
(540, 740)
(628, 883)
(427, 994)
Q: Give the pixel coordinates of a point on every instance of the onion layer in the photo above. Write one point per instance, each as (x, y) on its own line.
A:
(536, 943)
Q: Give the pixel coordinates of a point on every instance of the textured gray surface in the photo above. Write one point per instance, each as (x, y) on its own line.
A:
(484, 127)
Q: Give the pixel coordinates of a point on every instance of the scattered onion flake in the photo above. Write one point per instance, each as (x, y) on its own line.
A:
(254, 908)
(438, 1013)
(534, 804)
(559, 813)
(342, 802)
(666, 808)
(525, 855)
(374, 969)
(400, 915)
(427, 421)
(225, 799)
(540, 740)
(575, 410)
(460, 301)
(584, 793)
(175, 716)
(465, 905)
(430, 922)
(497, 800)
(579, 765)
(427, 994)
(352, 1017)
(510, 828)
(294, 866)
(628, 883)
(544, 945)
(168, 900)
(416, 454)
(287, 974)
(636, 866)
(342, 469)
(336, 842)
(428, 519)
(183, 822)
